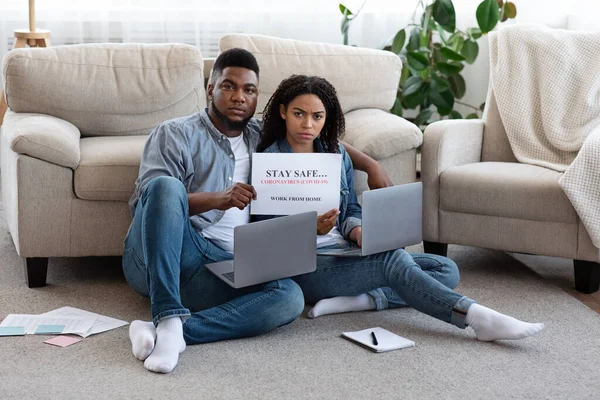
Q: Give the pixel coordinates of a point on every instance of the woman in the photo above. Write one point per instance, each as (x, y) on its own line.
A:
(304, 116)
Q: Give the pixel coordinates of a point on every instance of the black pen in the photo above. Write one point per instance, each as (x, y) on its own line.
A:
(375, 343)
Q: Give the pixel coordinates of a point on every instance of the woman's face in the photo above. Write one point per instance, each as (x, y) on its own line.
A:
(304, 119)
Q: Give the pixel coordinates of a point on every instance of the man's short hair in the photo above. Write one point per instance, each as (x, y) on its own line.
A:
(233, 58)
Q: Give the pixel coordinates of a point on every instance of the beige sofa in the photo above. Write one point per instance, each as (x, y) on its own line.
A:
(79, 116)
(476, 193)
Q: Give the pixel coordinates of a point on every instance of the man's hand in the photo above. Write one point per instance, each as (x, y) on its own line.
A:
(377, 177)
(326, 222)
(356, 235)
(237, 195)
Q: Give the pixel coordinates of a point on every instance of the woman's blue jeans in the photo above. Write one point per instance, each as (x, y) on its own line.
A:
(164, 258)
(440, 268)
(418, 281)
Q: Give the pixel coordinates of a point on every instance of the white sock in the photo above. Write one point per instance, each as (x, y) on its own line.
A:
(142, 335)
(169, 343)
(490, 325)
(342, 304)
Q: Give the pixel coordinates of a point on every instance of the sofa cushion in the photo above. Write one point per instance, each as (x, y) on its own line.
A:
(363, 78)
(380, 134)
(501, 189)
(108, 167)
(107, 89)
(43, 137)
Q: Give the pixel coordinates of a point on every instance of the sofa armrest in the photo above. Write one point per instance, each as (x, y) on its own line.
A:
(446, 144)
(380, 134)
(43, 137)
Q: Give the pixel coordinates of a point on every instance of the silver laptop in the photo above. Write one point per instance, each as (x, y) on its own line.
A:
(269, 250)
(391, 218)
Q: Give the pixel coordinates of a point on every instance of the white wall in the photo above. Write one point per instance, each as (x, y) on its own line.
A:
(201, 22)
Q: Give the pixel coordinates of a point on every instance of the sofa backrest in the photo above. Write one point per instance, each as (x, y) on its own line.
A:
(363, 78)
(107, 89)
(495, 141)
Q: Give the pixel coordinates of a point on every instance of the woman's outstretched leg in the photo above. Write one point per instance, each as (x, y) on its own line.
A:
(338, 276)
(440, 268)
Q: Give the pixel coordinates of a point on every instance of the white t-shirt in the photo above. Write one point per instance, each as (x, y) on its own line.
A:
(221, 233)
(333, 237)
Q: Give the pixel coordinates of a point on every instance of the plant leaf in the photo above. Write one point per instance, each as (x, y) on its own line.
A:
(345, 10)
(510, 10)
(449, 68)
(423, 39)
(427, 25)
(441, 32)
(452, 55)
(417, 61)
(405, 74)
(413, 85)
(472, 116)
(444, 111)
(500, 3)
(475, 33)
(455, 115)
(482, 106)
(398, 41)
(457, 85)
(444, 14)
(488, 15)
(413, 41)
(438, 83)
(414, 100)
(397, 107)
(442, 100)
(423, 117)
(456, 41)
(470, 51)
(437, 54)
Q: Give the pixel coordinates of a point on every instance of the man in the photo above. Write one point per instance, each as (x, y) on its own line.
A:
(192, 190)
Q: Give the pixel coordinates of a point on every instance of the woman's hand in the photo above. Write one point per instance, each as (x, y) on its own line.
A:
(326, 222)
(356, 235)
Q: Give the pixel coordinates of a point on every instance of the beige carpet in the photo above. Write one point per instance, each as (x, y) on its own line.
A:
(306, 359)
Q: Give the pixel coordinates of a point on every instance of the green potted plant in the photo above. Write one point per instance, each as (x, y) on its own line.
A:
(434, 52)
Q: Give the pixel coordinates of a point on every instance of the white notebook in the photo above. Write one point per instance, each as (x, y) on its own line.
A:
(386, 340)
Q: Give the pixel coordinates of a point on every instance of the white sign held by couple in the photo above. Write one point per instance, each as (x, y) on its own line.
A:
(292, 183)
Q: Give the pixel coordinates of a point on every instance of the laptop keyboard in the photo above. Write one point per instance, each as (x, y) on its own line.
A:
(229, 276)
(346, 251)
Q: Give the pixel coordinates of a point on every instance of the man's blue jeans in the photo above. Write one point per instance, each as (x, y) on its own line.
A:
(164, 258)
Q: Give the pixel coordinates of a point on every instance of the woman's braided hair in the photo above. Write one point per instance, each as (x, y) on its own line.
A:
(292, 87)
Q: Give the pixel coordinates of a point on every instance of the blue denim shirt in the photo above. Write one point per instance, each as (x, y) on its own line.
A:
(350, 211)
(192, 150)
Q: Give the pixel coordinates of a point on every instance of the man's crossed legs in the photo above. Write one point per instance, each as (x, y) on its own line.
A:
(164, 259)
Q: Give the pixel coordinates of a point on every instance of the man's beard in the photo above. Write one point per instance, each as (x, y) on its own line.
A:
(229, 124)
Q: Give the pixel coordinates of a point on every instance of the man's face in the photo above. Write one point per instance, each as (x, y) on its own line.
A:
(233, 98)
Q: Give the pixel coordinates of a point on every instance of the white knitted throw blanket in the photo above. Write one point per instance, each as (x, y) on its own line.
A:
(547, 86)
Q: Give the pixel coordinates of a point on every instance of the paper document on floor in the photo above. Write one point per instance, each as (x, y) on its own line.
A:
(102, 323)
(62, 341)
(77, 326)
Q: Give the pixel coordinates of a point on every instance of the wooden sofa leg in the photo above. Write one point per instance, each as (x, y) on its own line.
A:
(441, 249)
(36, 270)
(587, 276)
